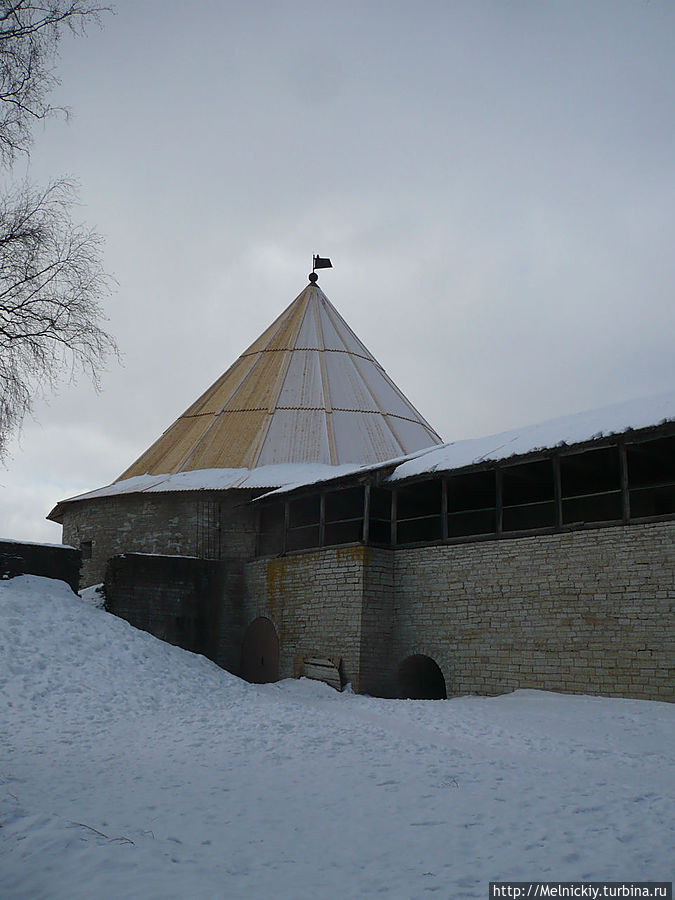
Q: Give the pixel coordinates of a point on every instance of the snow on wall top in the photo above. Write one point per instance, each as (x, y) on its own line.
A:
(572, 429)
(306, 391)
(565, 431)
(213, 480)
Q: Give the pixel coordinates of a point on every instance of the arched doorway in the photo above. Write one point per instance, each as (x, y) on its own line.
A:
(260, 652)
(420, 678)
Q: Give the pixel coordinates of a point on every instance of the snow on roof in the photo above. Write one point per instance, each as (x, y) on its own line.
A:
(214, 480)
(565, 431)
(35, 544)
(285, 477)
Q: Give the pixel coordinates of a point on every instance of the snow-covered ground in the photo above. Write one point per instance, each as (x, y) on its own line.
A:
(132, 769)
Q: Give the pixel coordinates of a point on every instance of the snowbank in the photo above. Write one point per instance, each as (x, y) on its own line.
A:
(130, 768)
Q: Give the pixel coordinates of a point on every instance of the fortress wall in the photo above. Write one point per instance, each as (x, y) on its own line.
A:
(314, 599)
(586, 612)
(184, 523)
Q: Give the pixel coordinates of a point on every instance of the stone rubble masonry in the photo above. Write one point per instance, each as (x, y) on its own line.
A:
(583, 612)
(166, 524)
(314, 599)
(46, 560)
(587, 611)
(176, 598)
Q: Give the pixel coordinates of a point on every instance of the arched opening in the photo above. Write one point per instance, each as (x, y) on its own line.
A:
(260, 652)
(420, 678)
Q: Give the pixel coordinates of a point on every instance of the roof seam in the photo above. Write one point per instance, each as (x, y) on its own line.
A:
(315, 350)
(366, 412)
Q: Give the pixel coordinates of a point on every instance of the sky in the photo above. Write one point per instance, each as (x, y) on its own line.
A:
(494, 182)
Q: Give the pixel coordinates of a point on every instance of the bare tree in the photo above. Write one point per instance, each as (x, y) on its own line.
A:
(29, 38)
(52, 280)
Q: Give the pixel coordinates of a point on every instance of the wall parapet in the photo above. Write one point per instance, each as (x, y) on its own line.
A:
(47, 560)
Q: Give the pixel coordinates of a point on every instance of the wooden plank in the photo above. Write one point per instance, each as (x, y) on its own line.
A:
(322, 669)
(625, 495)
(365, 535)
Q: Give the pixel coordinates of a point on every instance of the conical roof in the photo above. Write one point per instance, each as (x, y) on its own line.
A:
(306, 391)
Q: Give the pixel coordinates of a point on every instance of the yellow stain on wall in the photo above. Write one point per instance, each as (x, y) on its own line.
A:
(350, 554)
(275, 582)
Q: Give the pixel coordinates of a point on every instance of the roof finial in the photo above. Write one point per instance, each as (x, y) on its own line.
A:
(319, 262)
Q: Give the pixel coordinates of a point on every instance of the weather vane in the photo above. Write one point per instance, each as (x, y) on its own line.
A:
(319, 262)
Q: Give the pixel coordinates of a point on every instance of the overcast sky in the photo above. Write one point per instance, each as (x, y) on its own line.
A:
(494, 182)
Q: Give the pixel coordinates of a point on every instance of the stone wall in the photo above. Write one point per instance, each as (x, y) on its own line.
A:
(46, 560)
(583, 612)
(314, 600)
(377, 622)
(178, 599)
(586, 612)
(201, 523)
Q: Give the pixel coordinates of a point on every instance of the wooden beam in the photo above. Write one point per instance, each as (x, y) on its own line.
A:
(394, 504)
(366, 514)
(625, 495)
(444, 509)
(322, 519)
(287, 522)
(258, 530)
(557, 491)
(499, 500)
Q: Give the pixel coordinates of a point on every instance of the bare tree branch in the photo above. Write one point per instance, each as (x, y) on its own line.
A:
(51, 285)
(52, 279)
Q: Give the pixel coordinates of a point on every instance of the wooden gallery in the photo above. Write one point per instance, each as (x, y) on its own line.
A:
(301, 517)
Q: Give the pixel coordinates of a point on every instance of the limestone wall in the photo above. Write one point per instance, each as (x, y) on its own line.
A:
(314, 600)
(209, 524)
(586, 612)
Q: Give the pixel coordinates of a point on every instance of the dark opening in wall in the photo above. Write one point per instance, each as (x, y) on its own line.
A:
(380, 516)
(271, 538)
(86, 548)
(260, 652)
(651, 477)
(344, 516)
(303, 524)
(591, 486)
(419, 512)
(528, 496)
(420, 678)
(472, 504)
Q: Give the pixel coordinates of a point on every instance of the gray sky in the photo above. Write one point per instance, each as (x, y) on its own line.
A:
(494, 182)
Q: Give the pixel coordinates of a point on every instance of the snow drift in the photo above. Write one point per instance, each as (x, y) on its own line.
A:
(130, 768)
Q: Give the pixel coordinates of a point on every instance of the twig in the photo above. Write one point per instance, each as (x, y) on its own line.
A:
(121, 840)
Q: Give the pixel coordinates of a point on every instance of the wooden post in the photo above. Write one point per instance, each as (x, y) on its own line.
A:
(499, 503)
(322, 519)
(287, 521)
(366, 514)
(444, 509)
(557, 491)
(625, 495)
(394, 496)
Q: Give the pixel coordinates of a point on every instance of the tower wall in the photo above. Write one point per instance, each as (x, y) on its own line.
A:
(207, 524)
(585, 612)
